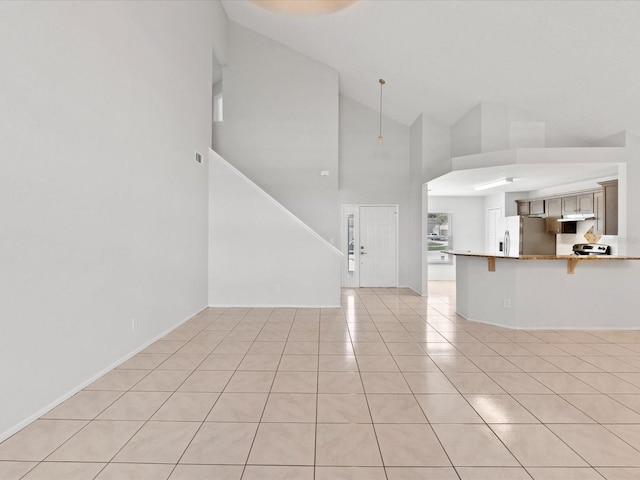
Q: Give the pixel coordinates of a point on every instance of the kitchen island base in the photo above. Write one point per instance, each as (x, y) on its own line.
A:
(529, 294)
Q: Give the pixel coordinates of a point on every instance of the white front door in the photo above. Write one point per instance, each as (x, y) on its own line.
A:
(377, 250)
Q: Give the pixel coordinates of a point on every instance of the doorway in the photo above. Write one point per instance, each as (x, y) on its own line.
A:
(370, 245)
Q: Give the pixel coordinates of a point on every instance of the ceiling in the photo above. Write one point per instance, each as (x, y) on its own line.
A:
(573, 64)
(527, 177)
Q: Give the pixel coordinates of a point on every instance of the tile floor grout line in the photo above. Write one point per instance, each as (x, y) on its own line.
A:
(488, 425)
(462, 395)
(264, 408)
(433, 431)
(366, 397)
(89, 421)
(424, 413)
(511, 395)
(146, 422)
(96, 419)
(384, 302)
(215, 402)
(315, 436)
(472, 407)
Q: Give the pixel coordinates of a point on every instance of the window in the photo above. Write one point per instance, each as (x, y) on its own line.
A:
(351, 239)
(217, 108)
(439, 237)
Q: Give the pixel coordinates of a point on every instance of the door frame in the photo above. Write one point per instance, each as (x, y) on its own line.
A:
(353, 281)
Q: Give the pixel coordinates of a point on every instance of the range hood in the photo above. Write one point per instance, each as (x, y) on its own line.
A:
(577, 217)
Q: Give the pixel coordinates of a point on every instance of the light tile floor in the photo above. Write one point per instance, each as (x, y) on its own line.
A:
(391, 386)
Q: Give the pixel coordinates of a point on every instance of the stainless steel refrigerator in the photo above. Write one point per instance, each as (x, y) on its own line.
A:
(524, 236)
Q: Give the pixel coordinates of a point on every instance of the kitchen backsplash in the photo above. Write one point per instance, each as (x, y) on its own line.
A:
(565, 241)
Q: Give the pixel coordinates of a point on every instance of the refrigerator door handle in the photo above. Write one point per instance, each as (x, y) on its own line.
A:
(507, 243)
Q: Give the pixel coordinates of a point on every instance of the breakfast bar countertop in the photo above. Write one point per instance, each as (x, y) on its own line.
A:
(541, 257)
(571, 259)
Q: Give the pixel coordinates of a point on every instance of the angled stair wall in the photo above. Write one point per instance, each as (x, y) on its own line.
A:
(260, 254)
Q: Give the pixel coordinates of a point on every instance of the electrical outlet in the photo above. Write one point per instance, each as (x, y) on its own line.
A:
(134, 323)
(277, 288)
(507, 303)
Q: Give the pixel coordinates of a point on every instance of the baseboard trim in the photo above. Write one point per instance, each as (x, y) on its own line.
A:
(546, 327)
(16, 428)
(414, 291)
(272, 306)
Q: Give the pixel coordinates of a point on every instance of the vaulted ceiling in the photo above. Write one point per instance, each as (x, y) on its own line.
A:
(573, 64)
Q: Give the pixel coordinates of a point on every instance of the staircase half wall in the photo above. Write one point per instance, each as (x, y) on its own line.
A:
(260, 254)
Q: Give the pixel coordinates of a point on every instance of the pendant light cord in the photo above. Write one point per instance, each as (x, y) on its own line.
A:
(382, 82)
(380, 108)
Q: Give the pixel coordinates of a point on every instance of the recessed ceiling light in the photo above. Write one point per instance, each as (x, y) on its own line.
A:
(304, 8)
(495, 183)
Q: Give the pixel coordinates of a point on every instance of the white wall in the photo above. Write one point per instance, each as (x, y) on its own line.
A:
(466, 133)
(506, 201)
(504, 126)
(436, 146)
(467, 229)
(495, 126)
(281, 125)
(510, 205)
(496, 200)
(259, 253)
(220, 22)
(616, 140)
(553, 135)
(436, 153)
(104, 210)
(376, 174)
(629, 198)
(417, 274)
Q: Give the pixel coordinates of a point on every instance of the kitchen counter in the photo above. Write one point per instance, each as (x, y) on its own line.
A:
(520, 292)
(572, 260)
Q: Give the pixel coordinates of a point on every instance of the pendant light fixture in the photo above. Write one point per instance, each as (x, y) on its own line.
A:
(380, 139)
(304, 8)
